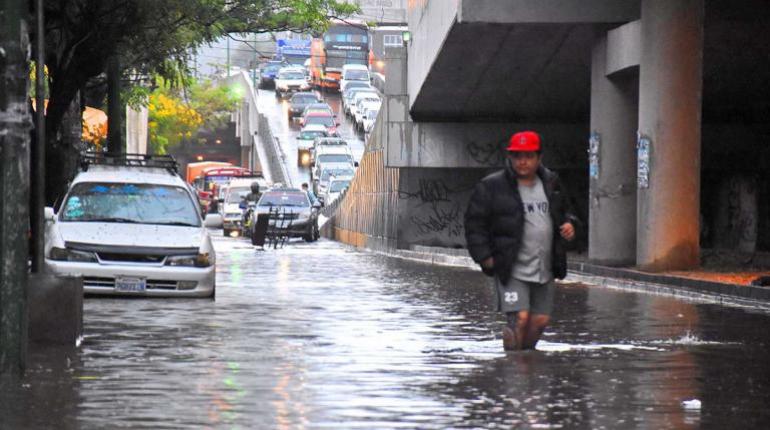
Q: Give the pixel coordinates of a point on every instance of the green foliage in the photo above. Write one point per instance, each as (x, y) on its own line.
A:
(176, 113)
(33, 80)
(136, 96)
(214, 103)
(156, 37)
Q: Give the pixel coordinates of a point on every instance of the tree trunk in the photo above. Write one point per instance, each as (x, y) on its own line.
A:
(62, 152)
(14, 185)
(115, 107)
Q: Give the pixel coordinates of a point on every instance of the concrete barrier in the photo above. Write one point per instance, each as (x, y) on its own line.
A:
(55, 309)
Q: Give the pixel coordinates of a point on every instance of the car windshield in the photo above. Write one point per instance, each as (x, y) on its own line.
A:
(351, 85)
(303, 98)
(285, 199)
(311, 134)
(364, 100)
(235, 194)
(335, 142)
(216, 179)
(338, 186)
(357, 75)
(323, 120)
(291, 75)
(334, 158)
(357, 91)
(130, 203)
(272, 68)
(326, 174)
(317, 110)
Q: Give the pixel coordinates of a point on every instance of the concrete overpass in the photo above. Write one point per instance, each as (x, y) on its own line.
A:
(670, 94)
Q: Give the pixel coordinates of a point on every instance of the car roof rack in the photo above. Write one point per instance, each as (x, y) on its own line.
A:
(129, 160)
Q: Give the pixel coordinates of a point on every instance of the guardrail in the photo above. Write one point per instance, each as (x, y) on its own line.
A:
(277, 158)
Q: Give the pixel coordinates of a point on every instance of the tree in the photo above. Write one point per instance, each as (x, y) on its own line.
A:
(150, 36)
(177, 113)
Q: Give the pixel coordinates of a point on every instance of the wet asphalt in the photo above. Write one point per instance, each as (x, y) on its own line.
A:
(322, 335)
(325, 336)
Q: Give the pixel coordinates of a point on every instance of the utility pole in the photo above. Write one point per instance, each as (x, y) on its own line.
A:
(114, 107)
(256, 63)
(14, 185)
(37, 203)
(228, 54)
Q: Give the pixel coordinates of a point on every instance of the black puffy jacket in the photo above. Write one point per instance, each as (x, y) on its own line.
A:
(494, 221)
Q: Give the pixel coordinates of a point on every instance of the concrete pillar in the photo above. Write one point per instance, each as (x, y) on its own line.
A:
(670, 85)
(612, 163)
(55, 309)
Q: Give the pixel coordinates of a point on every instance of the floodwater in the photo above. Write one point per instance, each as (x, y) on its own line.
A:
(325, 336)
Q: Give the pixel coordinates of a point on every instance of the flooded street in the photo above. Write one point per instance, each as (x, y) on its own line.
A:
(324, 336)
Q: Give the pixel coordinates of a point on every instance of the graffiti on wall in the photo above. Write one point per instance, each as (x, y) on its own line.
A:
(488, 154)
(438, 210)
(440, 220)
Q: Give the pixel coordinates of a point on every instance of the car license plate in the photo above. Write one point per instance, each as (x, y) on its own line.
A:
(130, 285)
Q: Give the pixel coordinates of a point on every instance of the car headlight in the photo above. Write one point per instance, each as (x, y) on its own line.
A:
(64, 254)
(200, 260)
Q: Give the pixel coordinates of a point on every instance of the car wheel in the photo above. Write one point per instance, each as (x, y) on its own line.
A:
(226, 232)
(253, 236)
(213, 295)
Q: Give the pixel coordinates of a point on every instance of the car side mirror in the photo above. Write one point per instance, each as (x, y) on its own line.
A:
(49, 214)
(355, 164)
(312, 164)
(213, 221)
(221, 200)
(337, 123)
(317, 205)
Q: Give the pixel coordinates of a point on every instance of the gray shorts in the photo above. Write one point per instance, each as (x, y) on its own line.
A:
(524, 296)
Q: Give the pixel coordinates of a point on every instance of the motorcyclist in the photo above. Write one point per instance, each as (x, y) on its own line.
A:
(247, 203)
(310, 194)
(253, 196)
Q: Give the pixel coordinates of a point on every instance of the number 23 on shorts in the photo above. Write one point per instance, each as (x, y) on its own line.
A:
(511, 297)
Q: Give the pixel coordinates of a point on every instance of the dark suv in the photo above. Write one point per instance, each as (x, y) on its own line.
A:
(299, 101)
(290, 213)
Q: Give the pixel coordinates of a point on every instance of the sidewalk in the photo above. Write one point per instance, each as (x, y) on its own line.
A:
(724, 277)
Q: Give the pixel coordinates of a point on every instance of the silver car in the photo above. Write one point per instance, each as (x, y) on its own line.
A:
(131, 230)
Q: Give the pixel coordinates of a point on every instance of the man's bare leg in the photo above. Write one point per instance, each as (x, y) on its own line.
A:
(515, 330)
(535, 328)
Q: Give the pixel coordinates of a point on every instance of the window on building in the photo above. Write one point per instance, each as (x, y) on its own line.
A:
(393, 40)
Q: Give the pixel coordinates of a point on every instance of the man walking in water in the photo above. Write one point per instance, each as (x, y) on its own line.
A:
(516, 225)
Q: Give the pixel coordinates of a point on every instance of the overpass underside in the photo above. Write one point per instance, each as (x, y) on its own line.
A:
(634, 99)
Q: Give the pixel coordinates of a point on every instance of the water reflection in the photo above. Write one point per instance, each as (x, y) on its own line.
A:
(320, 335)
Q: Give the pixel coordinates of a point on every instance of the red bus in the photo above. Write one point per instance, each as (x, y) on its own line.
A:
(213, 178)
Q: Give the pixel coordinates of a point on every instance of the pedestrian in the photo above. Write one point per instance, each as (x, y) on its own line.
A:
(516, 227)
(310, 194)
(213, 204)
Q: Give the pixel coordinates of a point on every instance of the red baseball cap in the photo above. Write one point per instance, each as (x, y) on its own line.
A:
(524, 141)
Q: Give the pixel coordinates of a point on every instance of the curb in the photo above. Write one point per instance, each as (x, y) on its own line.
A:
(617, 278)
(746, 293)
